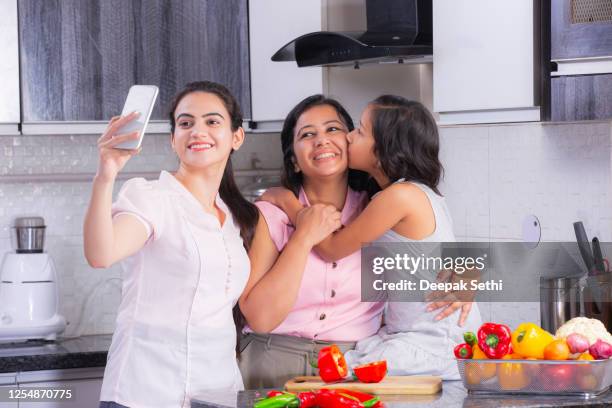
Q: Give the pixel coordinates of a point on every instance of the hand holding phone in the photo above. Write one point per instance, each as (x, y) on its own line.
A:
(141, 98)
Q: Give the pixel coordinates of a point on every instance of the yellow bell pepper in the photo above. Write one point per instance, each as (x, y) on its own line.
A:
(530, 340)
(512, 376)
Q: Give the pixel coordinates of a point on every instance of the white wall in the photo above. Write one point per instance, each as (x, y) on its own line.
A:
(498, 174)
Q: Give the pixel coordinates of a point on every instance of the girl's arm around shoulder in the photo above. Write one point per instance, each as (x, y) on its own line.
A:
(392, 205)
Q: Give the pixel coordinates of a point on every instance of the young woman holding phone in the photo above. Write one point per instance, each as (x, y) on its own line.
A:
(182, 241)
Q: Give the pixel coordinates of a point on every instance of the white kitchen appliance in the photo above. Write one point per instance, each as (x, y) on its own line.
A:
(29, 299)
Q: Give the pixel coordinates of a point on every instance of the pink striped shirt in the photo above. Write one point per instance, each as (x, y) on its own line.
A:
(328, 306)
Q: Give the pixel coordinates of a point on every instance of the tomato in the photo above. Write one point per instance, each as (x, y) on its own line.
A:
(371, 372)
(556, 377)
(557, 350)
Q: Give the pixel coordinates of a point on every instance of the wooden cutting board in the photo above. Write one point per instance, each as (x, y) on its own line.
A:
(411, 384)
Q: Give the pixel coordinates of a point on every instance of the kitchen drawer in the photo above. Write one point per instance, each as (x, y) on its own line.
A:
(581, 97)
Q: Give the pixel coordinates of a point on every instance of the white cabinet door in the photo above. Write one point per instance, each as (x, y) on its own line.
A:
(484, 66)
(277, 86)
(84, 385)
(9, 67)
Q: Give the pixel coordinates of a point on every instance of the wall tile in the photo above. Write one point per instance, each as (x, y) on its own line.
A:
(88, 297)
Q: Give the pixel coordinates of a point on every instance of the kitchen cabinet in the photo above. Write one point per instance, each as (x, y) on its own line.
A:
(486, 68)
(581, 49)
(9, 68)
(8, 381)
(79, 57)
(581, 29)
(85, 386)
(278, 86)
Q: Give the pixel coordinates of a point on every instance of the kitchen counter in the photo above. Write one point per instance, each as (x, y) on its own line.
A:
(34, 355)
(453, 395)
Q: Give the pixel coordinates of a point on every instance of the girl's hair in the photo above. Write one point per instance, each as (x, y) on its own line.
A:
(406, 141)
(293, 180)
(244, 212)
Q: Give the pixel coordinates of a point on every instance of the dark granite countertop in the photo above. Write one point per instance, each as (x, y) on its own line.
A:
(79, 352)
(453, 395)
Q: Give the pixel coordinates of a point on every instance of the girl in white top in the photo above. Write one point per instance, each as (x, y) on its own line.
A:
(397, 143)
(182, 242)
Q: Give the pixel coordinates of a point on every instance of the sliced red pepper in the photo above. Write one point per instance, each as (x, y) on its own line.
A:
(371, 372)
(494, 340)
(463, 351)
(331, 363)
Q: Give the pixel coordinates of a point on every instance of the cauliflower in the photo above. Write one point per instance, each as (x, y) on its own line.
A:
(592, 329)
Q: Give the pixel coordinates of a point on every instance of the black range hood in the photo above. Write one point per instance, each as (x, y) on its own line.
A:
(397, 31)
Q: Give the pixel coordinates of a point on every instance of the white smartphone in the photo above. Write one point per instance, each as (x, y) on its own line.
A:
(141, 98)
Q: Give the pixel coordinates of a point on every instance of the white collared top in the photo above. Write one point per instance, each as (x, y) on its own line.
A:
(175, 335)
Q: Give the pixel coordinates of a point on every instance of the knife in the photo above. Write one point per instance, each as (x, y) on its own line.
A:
(598, 256)
(584, 246)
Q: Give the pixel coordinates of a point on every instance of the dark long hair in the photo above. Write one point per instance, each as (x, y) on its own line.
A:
(406, 140)
(293, 180)
(245, 213)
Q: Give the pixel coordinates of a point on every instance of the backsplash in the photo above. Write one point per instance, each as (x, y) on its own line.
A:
(88, 297)
(495, 175)
(498, 174)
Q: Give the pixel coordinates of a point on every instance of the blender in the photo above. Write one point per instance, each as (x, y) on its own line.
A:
(29, 300)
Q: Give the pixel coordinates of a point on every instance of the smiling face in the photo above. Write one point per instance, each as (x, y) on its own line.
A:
(319, 142)
(203, 134)
(361, 145)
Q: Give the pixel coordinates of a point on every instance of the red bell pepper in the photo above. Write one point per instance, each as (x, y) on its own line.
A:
(494, 340)
(331, 363)
(339, 399)
(371, 372)
(463, 351)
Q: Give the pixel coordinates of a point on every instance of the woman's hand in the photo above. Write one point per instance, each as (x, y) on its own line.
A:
(316, 222)
(285, 200)
(112, 160)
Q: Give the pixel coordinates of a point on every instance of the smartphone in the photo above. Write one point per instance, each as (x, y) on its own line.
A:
(141, 98)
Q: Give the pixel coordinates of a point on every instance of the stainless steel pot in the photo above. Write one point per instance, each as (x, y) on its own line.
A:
(28, 235)
(562, 299)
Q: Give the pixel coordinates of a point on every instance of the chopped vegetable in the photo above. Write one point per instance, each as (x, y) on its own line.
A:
(331, 363)
(530, 340)
(371, 372)
(494, 339)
